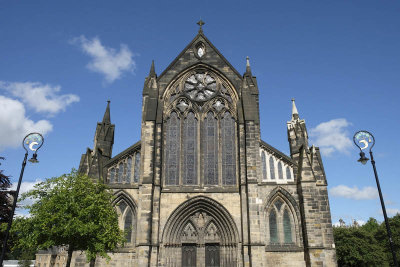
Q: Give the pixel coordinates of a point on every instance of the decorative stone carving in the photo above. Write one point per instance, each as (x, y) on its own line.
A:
(218, 105)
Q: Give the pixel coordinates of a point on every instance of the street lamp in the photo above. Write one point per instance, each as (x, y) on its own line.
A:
(363, 140)
(33, 142)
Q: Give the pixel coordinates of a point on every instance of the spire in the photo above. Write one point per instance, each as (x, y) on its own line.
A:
(152, 69)
(248, 69)
(106, 118)
(295, 113)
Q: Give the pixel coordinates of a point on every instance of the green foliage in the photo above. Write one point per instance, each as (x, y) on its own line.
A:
(70, 210)
(367, 245)
(381, 236)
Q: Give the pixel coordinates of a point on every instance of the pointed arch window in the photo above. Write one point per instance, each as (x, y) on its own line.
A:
(280, 171)
(264, 166)
(126, 220)
(190, 150)
(112, 175)
(288, 173)
(271, 168)
(128, 170)
(172, 151)
(137, 168)
(273, 227)
(210, 148)
(120, 172)
(280, 223)
(287, 228)
(228, 150)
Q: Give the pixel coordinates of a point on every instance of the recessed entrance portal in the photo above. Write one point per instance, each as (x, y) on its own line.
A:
(200, 232)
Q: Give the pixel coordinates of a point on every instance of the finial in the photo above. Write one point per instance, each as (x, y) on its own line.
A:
(201, 23)
(152, 69)
(106, 117)
(248, 69)
(295, 113)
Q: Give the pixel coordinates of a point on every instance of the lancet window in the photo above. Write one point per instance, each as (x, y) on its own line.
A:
(280, 171)
(272, 168)
(264, 166)
(200, 132)
(210, 148)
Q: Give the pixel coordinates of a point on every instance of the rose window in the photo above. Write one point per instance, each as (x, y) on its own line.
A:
(200, 86)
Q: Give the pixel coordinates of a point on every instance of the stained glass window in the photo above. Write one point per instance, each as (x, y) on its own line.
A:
(288, 174)
(137, 168)
(210, 148)
(264, 166)
(128, 225)
(271, 168)
(228, 150)
(112, 175)
(280, 172)
(172, 150)
(287, 227)
(190, 150)
(273, 229)
(122, 206)
(128, 170)
(120, 172)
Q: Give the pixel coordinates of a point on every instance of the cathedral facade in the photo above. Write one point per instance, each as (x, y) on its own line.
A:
(201, 188)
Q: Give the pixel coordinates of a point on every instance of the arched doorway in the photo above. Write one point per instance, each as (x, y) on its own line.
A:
(200, 232)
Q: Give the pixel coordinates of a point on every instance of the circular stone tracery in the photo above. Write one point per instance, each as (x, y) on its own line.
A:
(200, 86)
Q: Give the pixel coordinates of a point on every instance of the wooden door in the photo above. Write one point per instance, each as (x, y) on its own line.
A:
(212, 255)
(189, 255)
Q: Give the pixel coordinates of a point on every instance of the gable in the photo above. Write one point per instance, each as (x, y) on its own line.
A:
(189, 57)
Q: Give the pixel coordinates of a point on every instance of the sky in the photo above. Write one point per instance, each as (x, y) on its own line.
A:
(61, 61)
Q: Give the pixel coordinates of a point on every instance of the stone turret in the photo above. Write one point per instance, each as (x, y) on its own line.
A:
(313, 194)
(92, 161)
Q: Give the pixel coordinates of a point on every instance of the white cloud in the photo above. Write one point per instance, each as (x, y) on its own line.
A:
(332, 136)
(354, 192)
(392, 212)
(25, 187)
(105, 60)
(40, 97)
(15, 125)
(359, 223)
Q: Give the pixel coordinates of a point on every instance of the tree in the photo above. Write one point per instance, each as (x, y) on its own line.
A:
(382, 237)
(73, 211)
(5, 202)
(357, 246)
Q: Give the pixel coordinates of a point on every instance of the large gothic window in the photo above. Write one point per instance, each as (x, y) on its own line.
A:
(172, 149)
(199, 142)
(228, 150)
(210, 150)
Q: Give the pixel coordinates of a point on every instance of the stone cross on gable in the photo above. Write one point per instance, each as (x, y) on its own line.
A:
(201, 23)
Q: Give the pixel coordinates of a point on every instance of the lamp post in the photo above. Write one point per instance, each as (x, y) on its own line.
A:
(363, 140)
(33, 142)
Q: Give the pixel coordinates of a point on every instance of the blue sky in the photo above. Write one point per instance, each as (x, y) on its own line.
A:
(61, 61)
